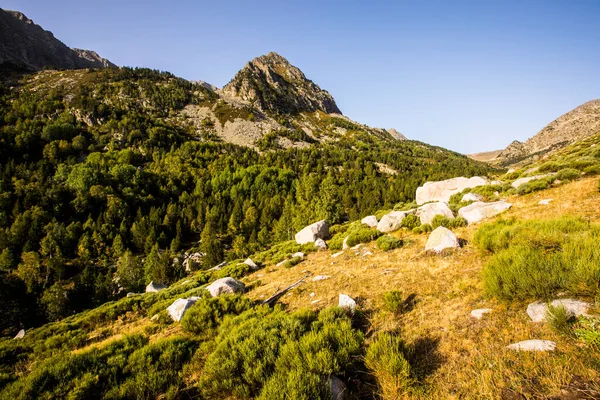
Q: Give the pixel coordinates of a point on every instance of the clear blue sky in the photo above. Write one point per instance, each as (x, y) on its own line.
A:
(465, 75)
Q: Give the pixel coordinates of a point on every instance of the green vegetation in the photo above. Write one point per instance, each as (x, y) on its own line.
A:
(535, 259)
(388, 242)
(209, 313)
(386, 359)
(355, 232)
(394, 301)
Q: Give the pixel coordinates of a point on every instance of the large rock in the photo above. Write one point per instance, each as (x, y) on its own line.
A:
(318, 230)
(479, 210)
(370, 221)
(443, 190)
(391, 222)
(427, 212)
(441, 238)
(347, 302)
(538, 310)
(251, 264)
(155, 287)
(472, 197)
(179, 307)
(225, 286)
(533, 345)
(522, 181)
(20, 334)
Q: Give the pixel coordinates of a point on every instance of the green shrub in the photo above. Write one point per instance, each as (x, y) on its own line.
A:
(550, 166)
(393, 301)
(511, 176)
(388, 242)
(270, 354)
(405, 206)
(356, 233)
(568, 174)
(535, 185)
(559, 319)
(386, 359)
(450, 223)
(411, 221)
(208, 313)
(592, 170)
(425, 228)
(292, 262)
(587, 329)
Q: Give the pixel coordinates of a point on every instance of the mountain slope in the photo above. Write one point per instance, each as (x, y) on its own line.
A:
(577, 124)
(25, 44)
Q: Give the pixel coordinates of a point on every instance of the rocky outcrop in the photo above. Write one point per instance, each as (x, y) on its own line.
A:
(391, 222)
(479, 210)
(538, 311)
(533, 345)
(395, 134)
(178, 308)
(310, 233)
(440, 239)
(428, 212)
(271, 83)
(226, 286)
(155, 287)
(370, 221)
(443, 190)
(27, 45)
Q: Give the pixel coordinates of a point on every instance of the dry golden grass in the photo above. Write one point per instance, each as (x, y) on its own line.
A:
(458, 357)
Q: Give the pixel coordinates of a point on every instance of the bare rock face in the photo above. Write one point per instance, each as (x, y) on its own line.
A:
(479, 210)
(272, 84)
(443, 190)
(429, 211)
(395, 134)
(27, 45)
(226, 286)
(310, 233)
(440, 239)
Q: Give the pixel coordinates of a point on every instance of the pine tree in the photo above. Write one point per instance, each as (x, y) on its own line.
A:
(210, 246)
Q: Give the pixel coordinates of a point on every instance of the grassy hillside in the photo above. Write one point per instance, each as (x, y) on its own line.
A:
(412, 335)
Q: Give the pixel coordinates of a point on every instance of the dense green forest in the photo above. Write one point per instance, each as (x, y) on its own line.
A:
(103, 186)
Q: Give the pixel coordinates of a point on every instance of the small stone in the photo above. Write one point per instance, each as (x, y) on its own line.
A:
(251, 264)
(154, 318)
(155, 287)
(320, 244)
(226, 286)
(347, 302)
(312, 294)
(310, 233)
(479, 313)
(544, 202)
(368, 253)
(321, 278)
(20, 334)
(179, 307)
(338, 388)
(298, 254)
(337, 254)
(533, 345)
(472, 197)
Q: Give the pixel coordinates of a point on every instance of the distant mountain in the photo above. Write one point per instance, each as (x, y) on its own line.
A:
(26, 44)
(272, 84)
(577, 124)
(485, 156)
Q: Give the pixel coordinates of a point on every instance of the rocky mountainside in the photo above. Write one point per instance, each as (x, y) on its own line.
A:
(272, 84)
(26, 44)
(577, 124)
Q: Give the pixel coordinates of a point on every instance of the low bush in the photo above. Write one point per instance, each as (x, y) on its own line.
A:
(208, 313)
(388, 242)
(411, 221)
(387, 361)
(425, 228)
(535, 185)
(450, 223)
(567, 174)
(292, 262)
(550, 166)
(592, 170)
(393, 301)
(356, 233)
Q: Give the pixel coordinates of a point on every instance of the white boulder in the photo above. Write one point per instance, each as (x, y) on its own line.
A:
(391, 222)
(538, 310)
(155, 287)
(427, 212)
(480, 312)
(472, 197)
(443, 190)
(370, 220)
(533, 345)
(544, 202)
(20, 334)
(347, 302)
(320, 244)
(298, 254)
(522, 181)
(441, 238)
(479, 210)
(310, 233)
(251, 263)
(321, 278)
(226, 286)
(179, 307)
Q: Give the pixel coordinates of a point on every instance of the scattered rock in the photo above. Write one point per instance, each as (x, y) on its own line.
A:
(545, 202)
(280, 263)
(131, 294)
(368, 253)
(251, 264)
(339, 253)
(321, 278)
(443, 190)
(522, 181)
(533, 345)
(538, 310)
(20, 334)
(358, 246)
(338, 388)
(191, 261)
(154, 318)
(441, 238)
(179, 307)
(472, 197)
(427, 212)
(345, 243)
(155, 287)
(346, 301)
(371, 221)
(226, 285)
(318, 230)
(480, 312)
(391, 222)
(479, 210)
(320, 244)
(298, 254)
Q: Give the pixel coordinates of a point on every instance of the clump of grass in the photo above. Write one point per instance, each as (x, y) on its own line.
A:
(567, 174)
(425, 228)
(388, 242)
(208, 313)
(587, 330)
(559, 319)
(393, 301)
(292, 262)
(386, 359)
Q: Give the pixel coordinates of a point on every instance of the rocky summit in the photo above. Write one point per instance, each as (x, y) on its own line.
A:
(271, 83)
(25, 44)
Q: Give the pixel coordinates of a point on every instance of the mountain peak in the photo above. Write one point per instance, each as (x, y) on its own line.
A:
(272, 84)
